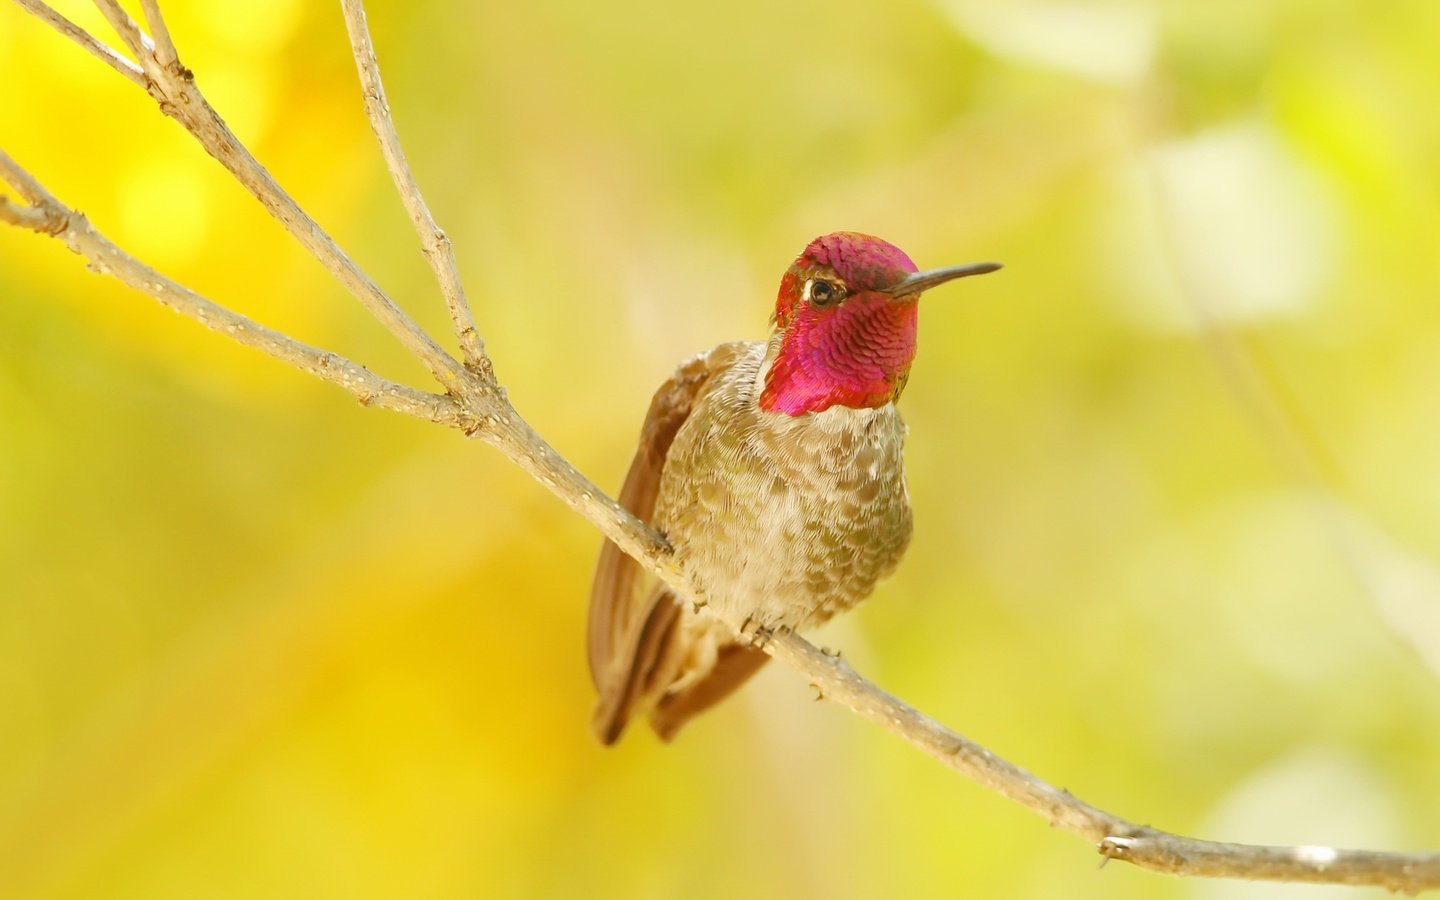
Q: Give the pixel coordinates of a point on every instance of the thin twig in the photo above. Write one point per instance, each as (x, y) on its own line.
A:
(82, 37)
(1115, 838)
(164, 47)
(24, 182)
(35, 218)
(48, 215)
(477, 406)
(179, 98)
(124, 26)
(191, 109)
(436, 245)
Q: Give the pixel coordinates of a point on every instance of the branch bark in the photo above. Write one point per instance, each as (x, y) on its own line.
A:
(436, 246)
(38, 219)
(474, 403)
(173, 87)
(82, 37)
(48, 215)
(124, 26)
(165, 53)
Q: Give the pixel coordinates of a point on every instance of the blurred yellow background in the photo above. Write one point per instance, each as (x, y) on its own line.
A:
(1176, 471)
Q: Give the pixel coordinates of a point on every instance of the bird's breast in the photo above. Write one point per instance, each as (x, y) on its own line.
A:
(785, 519)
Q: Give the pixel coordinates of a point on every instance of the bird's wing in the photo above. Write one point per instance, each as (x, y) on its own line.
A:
(734, 663)
(633, 619)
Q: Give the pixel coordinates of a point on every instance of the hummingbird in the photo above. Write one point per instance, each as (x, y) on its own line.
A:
(774, 470)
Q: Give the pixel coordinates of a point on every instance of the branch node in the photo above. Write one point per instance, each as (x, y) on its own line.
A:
(480, 424)
(41, 219)
(439, 244)
(1115, 847)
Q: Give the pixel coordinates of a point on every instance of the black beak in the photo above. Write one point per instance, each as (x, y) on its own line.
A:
(923, 281)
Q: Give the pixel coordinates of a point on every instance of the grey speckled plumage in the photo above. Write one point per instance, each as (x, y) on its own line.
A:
(787, 520)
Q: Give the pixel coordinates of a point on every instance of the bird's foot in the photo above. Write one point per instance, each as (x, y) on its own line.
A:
(759, 635)
(762, 635)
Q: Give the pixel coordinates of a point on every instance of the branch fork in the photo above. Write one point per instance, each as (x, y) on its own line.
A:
(472, 401)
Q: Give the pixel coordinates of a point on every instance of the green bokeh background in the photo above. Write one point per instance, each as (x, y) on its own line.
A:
(1175, 470)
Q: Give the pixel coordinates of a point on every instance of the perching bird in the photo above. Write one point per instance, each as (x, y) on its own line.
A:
(774, 469)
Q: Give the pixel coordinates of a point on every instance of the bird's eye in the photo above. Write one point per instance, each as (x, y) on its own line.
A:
(823, 293)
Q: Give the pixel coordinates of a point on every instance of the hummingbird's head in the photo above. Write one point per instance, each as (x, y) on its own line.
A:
(845, 324)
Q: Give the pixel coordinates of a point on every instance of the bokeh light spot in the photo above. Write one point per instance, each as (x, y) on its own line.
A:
(264, 25)
(165, 209)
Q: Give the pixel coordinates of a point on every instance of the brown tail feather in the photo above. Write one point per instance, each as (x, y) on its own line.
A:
(617, 703)
(733, 667)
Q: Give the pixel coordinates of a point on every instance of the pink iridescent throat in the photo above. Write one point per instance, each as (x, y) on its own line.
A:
(857, 356)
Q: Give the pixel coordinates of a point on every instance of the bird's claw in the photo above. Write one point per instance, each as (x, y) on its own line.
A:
(761, 635)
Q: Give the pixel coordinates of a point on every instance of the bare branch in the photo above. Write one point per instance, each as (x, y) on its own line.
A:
(35, 218)
(437, 247)
(175, 91)
(124, 26)
(82, 37)
(1161, 851)
(191, 109)
(23, 181)
(1115, 838)
(185, 104)
(475, 404)
(48, 215)
(164, 47)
